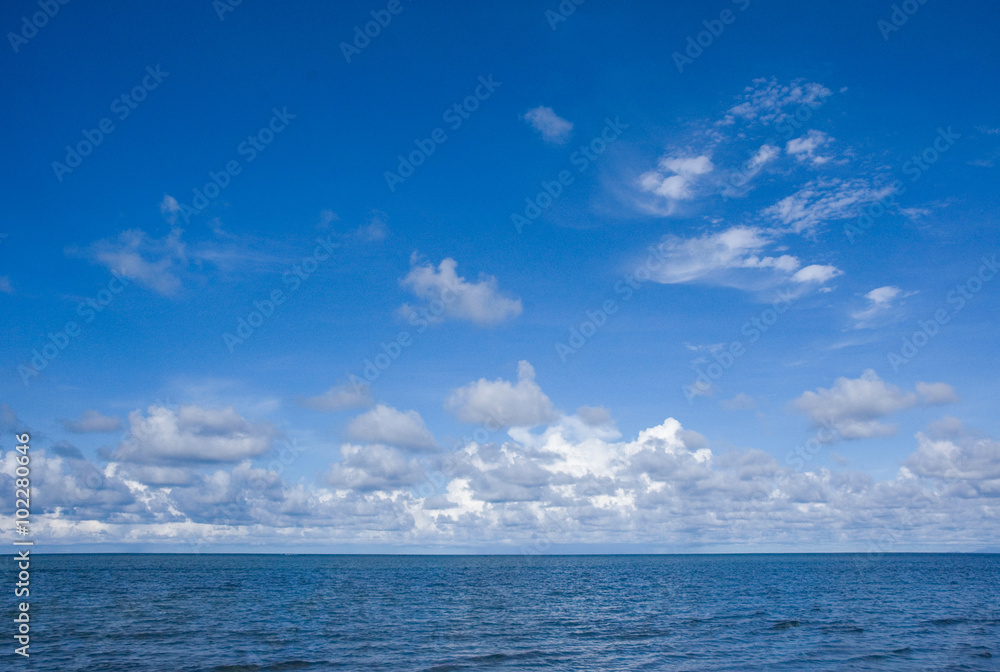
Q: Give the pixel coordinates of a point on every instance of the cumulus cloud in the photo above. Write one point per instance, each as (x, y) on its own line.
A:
(571, 483)
(92, 421)
(446, 295)
(825, 200)
(192, 434)
(502, 404)
(968, 464)
(340, 397)
(854, 407)
(376, 467)
(384, 424)
(553, 128)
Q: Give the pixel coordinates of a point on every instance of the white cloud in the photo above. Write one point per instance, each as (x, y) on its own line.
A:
(153, 262)
(816, 273)
(169, 207)
(368, 468)
(92, 422)
(804, 148)
(553, 128)
(735, 257)
(676, 179)
(854, 407)
(448, 295)
(880, 305)
(384, 424)
(502, 404)
(339, 397)
(192, 434)
(823, 201)
(768, 102)
(5, 285)
(573, 483)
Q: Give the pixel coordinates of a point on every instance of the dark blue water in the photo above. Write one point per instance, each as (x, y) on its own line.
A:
(751, 612)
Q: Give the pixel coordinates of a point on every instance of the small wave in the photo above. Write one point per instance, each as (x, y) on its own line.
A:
(949, 621)
(784, 625)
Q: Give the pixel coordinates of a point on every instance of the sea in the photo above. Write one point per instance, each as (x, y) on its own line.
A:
(248, 613)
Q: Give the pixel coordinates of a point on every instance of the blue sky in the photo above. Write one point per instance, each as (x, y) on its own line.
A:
(775, 213)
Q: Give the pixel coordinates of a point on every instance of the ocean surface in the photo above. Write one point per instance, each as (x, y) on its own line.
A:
(229, 613)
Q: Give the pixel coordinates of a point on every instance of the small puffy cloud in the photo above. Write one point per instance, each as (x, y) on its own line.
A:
(340, 397)
(676, 179)
(816, 273)
(450, 296)
(375, 230)
(92, 422)
(767, 102)
(169, 207)
(503, 404)
(880, 304)
(192, 434)
(741, 402)
(384, 424)
(854, 407)
(826, 200)
(804, 148)
(553, 128)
